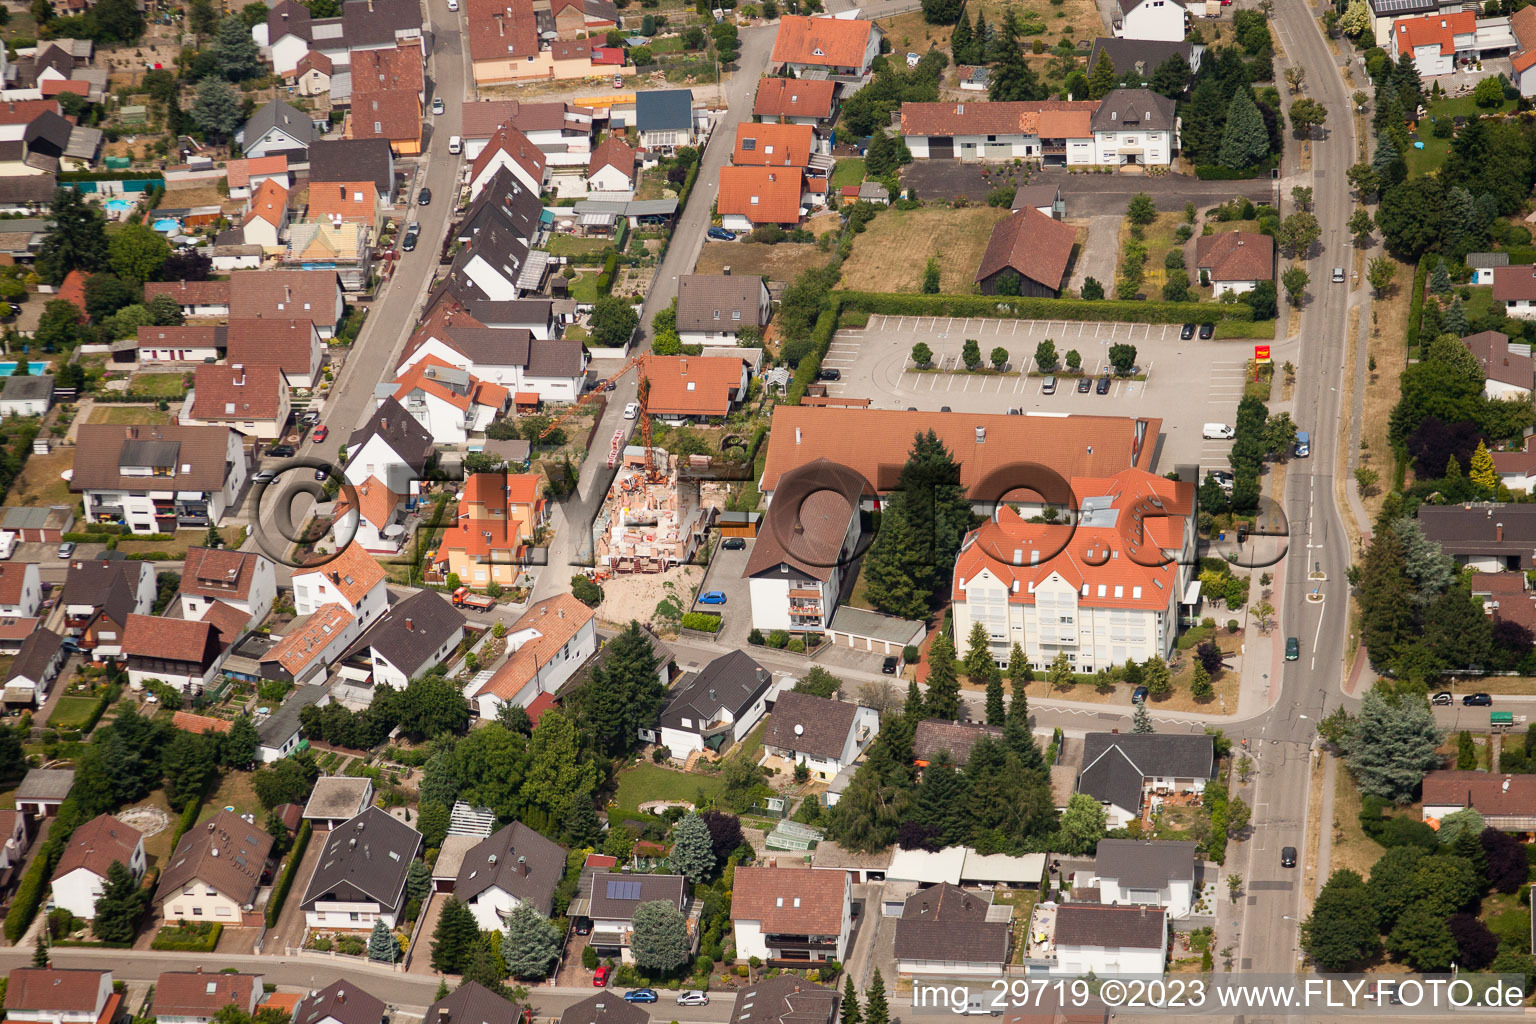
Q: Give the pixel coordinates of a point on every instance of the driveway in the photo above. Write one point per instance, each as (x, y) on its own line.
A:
(946, 179)
(289, 930)
(724, 574)
(1098, 192)
(1097, 257)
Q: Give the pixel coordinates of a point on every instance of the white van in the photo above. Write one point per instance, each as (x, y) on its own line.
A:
(1217, 432)
(455, 144)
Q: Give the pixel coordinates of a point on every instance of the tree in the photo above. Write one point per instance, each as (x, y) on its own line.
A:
(886, 154)
(77, 240)
(1245, 139)
(586, 591)
(1156, 677)
(530, 944)
(1082, 825)
(1379, 273)
(136, 253)
(818, 682)
(922, 355)
(1298, 233)
(897, 563)
(1411, 217)
(240, 743)
(1280, 435)
(114, 21)
(1360, 226)
(1101, 81)
(692, 849)
(1488, 93)
(1074, 360)
(1307, 114)
(659, 939)
(623, 693)
(418, 881)
(943, 680)
(1423, 940)
(1092, 290)
(1481, 472)
(287, 781)
(1141, 210)
(1123, 358)
(613, 321)
(1045, 355)
(848, 1011)
(876, 1010)
(1475, 942)
(217, 109)
(1357, 19)
(1395, 742)
(1295, 278)
(998, 357)
(1295, 75)
(455, 933)
(485, 965)
(40, 952)
(1200, 683)
(1341, 930)
(970, 353)
(1504, 856)
(931, 277)
(236, 50)
(382, 945)
(121, 903)
(1141, 721)
(1363, 179)
(725, 835)
(962, 42)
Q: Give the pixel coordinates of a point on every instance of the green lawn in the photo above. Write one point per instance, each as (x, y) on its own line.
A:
(1481, 302)
(646, 782)
(570, 245)
(752, 746)
(234, 791)
(1423, 161)
(1263, 330)
(848, 171)
(1506, 918)
(667, 44)
(71, 712)
(584, 288)
(166, 385)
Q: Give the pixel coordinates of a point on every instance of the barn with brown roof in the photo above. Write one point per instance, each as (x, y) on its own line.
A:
(1028, 254)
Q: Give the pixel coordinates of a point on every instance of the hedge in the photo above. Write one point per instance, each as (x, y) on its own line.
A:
(1212, 173)
(1416, 306)
(702, 621)
(34, 884)
(610, 271)
(1108, 311)
(100, 709)
(100, 537)
(188, 818)
(688, 182)
(202, 937)
(285, 880)
(810, 365)
(128, 175)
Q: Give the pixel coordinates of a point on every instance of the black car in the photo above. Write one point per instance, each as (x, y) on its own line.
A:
(945, 408)
(1477, 700)
(1084, 385)
(1442, 699)
(1207, 332)
(408, 243)
(829, 375)
(583, 926)
(320, 474)
(1287, 856)
(733, 544)
(1139, 695)
(1187, 331)
(888, 666)
(281, 451)
(424, 197)
(1103, 387)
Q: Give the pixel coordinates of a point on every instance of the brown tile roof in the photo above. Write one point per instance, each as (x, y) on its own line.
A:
(1488, 793)
(219, 573)
(501, 29)
(280, 294)
(613, 153)
(515, 144)
(155, 636)
(314, 60)
(183, 335)
(709, 302)
(764, 195)
(970, 118)
(832, 42)
(356, 201)
(516, 859)
(25, 111)
(269, 203)
(103, 448)
(1037, 246)
(306, 641)
(557, 619)
(394, 114)
(239, 172)
(692, 385)
(822, 724)
(1511, 283)
(934, 736)
(195, 994)
(12, 583)
(343, 1001)
(796, 901)
(375, 501)
(191, 293)
(188, 722)
(354, 572)
(1093, 924)
(948, 923)
(97, 844)
(228, 622)
(235, 392)
(792, 97)
(51, 988)
(1236, 256)
(481, 119)
(607, 1007)
(226, 852)
(386, 70)
(773, 145)
(785, 999)
(810, 536)
(1491, 348)
(285, 344)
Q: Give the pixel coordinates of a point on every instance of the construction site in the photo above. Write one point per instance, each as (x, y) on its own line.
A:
(653, 517)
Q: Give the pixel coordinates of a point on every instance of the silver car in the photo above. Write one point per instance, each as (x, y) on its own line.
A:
(693, 997)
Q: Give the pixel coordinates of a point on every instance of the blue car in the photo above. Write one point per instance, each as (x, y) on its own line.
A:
(640, 995)
(712, 597)
(722, 235)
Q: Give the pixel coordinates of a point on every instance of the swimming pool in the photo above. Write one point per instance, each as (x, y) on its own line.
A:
(119, 205)
(6, 369)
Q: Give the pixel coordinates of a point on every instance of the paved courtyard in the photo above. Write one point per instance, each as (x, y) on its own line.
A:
(1189, 383)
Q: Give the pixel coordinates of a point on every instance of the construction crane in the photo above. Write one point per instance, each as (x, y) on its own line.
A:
(644, 392)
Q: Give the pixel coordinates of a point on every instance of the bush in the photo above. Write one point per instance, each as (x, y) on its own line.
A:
(188, 937)
(909, 304)
(704, 622)
(755, 637)
(777, 639)
(589, 958)
(910, 654)
(285, 880)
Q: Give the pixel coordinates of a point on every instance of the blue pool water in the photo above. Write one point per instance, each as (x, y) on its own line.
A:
(119, 205)
(6, 369)
(166, 224)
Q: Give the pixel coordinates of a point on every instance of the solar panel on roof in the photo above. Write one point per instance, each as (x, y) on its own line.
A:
(623, 890)
(1403, 6)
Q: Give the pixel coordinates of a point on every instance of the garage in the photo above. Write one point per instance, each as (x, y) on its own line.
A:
(941, 148)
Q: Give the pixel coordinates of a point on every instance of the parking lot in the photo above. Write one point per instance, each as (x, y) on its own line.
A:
(1188, 383)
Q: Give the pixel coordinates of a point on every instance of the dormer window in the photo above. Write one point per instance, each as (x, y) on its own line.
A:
(818, 52)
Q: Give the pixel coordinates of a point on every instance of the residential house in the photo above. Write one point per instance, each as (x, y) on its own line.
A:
(244, 580)
(80, 877)
(473, 1003)
(802, 555)
(37, 663)
(197, 299)
(186, 343)
(314, 295)
(1159, 873)
(99, 595)
(215, 872)
(157, 479)
(511, 355)
(548, 643)
(42, 790)
(394, 115)
(337, 799)
(373, 515)
(606, 1007)
(791, 916)
(1435, 42)
(251, 400)
(1485, 537)
(491, 537)
(503, 37)
(449, 402)
(1121, 770)
(1031, 252)
(31, 395)
(1483, 264)
(352, 579)
(935, 738)
(1507, 596)
(192, 997)
(496, 263)
(750, 196)
(1506, 802)
(346, 202)
(346, 160)
(341, 1002)
(278, 735)
(1144, 56)
(774, 145)
(1005, 130)
(562, 131)
(360, 878)
(694, 388)
(1516, 469)
(1235, 261)
(266, 222)
(392, 447)
(21, 589)
(51, 995)
(1506, 373)
(824, 735)
(278, 128)
(946, 930)
(313, 74)
(796, 101)
(1047, 588)
(1515, 288)
(244, 176)
(1151, 19)
(664, 119)
(613, 168)
(576, 18)
(502, 872)
(184, 654)
(13, 845)
(785, 999)
(411, 638)
(536, 316)
(345, 247)
(388, 69)
(713, 309)
(713, 708)
(579, 58)
(509, 148)
(1109, 941)
(834, 45)
(1135, 126)
(1523, 60)
(610, 902)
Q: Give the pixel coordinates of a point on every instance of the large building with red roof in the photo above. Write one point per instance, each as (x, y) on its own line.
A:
(1436, 41)
(837, 46)
(1128, 126)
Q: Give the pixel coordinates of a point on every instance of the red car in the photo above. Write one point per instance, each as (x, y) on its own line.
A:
(600, 977)
(320, 433)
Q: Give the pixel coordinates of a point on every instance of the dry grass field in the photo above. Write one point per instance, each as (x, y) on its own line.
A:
(891, 253)
(783, 262)
(1074, 19)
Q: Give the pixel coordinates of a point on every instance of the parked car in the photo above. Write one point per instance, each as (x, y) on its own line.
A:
(1292, 649)
(1207, 331)
(945, 408)
(437, 105)
(888, 666)
(1186, 332)
(1442, 699)
(1477, 700)
(712, 597)
(266, 476)
(829, 375)
(632, 410)
(1103, 387)
(1217, 432)
(1287, 856)
(600, 976)
(693, 997)
(1048, 386)
(618, 81)
(733, 544)
(320, 433)
(412, 232)
(310, 418)
(424, 197)
(320, 475)
(583, 926)
(66, 549)
(453, 5)
(1139, 695)
(640, 995)
(1084, 385)
(281, 451)
(1338, 275)
(722, 235)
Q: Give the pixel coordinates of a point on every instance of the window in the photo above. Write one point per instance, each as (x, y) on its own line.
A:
(197, 911)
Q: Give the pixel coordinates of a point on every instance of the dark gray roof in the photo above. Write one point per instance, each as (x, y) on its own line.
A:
(1115, 764)
(372, 22)
(810, 725)
(947, 923)
(275, 729)
(352, 160)
(27, 188)
(708, 302)
(342, 1000)
(1481, 529)
(664, 110)
(500, 247)
(732, 681)
(1144, 863)
(607, 1007)
(1139, 109)
(516, 346)
(471, 1003)
(1126, 54)
(615, 896)
(934, 736)
(293, 122)
(785, 999)
(1094, 924)
(400, 430)
(37, 650)
(517, 860)
(28, 388)
(1481, 260)
(1035, 196)
(514, 312)
(46, 784)
(410, 633)
(503, 200)
(110, 584)
(365, 860)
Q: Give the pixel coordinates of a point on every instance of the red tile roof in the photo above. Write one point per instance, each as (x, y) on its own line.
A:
(764, 195)
(1408, 34)
(501, 29)
(239, 172)
(354, 572)
(375, 501)
(182, 336)
(26, 111)
(393, 114)
(790, 901)
(831, 42)
(12, 582)
(387, 70)
(196, 994)
(794, 97)
(192, 293)
(269, 202)
(279, 294)
(1037, 246)
(307, 641)
(219, 573)
(517, 146)
(72, 289)
(233, 392)
(155, 636)
(314, 60)
(1236, 256)
(557, 620)
(286, 344)
(613, 153)
(355, 201)
(773, 145)
(421, 376)
(50, 988)
(1523, 24)
(497, 512)
(1486, 792)
(189, 722)
(692, 385)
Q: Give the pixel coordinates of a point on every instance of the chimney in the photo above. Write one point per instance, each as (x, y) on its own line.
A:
(726, 271)
(341, 993)
(1498, 532)
(408, 627)
(981, 435)
(522, 862)
(199, 968)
